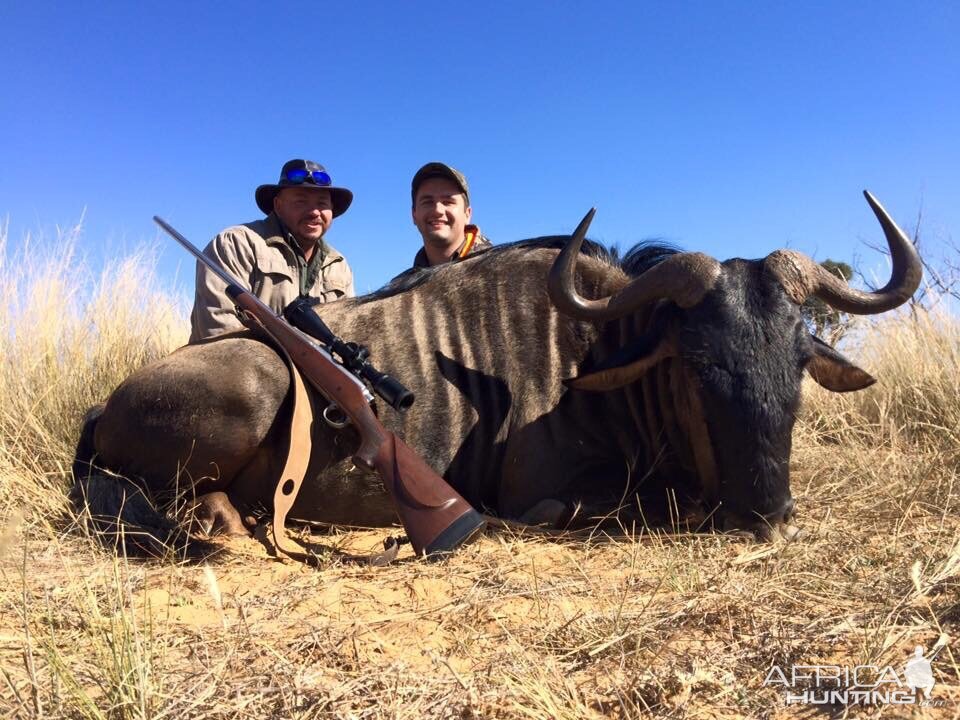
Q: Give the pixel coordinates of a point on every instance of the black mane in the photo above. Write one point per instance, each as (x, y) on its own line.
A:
(645, 254)
(637, 260)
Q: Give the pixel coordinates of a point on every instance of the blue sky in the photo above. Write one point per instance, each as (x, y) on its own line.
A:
(732, 128)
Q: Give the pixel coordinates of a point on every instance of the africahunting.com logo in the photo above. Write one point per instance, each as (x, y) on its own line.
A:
(912, 684)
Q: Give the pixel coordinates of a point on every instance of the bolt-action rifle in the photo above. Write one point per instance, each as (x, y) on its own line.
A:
(436, 518)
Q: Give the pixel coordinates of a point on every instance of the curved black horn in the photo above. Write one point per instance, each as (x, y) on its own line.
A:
(802, 277)
(684, 278)
(560, 281)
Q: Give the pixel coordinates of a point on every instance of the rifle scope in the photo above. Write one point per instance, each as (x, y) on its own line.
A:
(353, 356)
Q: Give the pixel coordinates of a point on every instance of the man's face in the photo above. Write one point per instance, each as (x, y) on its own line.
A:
(307, 213)
(440, 213)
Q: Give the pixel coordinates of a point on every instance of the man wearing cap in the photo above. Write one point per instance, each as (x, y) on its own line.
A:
(441, 212)
(281, 257)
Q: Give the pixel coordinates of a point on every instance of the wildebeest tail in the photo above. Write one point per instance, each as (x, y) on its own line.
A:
(117, 510)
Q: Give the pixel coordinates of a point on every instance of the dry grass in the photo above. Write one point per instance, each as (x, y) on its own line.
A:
(511, 627)
(66, 338)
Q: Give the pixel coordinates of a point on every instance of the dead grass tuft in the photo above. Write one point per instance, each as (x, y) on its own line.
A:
(66, 338)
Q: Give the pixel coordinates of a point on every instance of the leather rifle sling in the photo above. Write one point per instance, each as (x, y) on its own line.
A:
(295, 469)
(299, 449)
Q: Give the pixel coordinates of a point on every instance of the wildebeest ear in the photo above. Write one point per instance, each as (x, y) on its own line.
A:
(619, 371)
(834, 372)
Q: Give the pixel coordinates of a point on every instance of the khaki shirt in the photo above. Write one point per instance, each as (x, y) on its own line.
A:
(265, 263)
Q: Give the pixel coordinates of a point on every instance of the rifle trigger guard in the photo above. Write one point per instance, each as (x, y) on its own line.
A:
(335, 417)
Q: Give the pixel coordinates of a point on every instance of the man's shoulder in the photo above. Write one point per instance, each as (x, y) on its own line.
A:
(248, 244)
(257, 234)
(332, 254)
(264, 229)
(336, 270)
(420, 260)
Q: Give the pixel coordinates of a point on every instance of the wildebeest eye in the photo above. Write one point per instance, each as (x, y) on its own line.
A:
(804, 345)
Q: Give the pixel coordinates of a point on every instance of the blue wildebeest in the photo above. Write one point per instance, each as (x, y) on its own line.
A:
(546, 380)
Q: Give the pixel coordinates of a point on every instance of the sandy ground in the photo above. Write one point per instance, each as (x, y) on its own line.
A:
(510, 627)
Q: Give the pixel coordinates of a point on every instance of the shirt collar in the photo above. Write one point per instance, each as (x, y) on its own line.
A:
(420, 260)
(288, 236)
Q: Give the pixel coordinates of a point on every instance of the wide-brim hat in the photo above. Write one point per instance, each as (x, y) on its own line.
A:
(442, 170)
(303, 174)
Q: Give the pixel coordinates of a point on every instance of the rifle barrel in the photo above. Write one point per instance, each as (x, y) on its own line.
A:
(192, 249)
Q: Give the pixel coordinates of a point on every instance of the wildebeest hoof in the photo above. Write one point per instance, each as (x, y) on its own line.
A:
(770, 527)
(214, 514)
(791, 532)
(547, 512)
(781, 531)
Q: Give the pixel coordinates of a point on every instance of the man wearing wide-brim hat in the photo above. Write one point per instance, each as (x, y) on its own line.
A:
(280, 258)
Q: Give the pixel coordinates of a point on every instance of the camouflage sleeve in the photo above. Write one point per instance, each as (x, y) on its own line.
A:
(213, 312)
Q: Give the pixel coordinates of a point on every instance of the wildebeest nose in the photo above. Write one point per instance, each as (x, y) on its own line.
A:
(789, 509)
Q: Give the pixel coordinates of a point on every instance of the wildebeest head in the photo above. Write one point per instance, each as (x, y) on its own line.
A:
(737, 347)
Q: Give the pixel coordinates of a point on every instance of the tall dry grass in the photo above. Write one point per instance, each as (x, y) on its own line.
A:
(514, 626)
(901, 434)
(67, 336)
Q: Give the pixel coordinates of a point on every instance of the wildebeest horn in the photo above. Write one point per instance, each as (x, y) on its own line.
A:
(684, 278)
(801, 277)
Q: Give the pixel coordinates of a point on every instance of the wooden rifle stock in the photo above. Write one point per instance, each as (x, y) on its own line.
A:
(436, 518)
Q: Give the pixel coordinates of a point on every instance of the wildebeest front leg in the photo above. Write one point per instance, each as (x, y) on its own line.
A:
(549, 511)
(559, 488)
(534, 484)
(215, 514)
